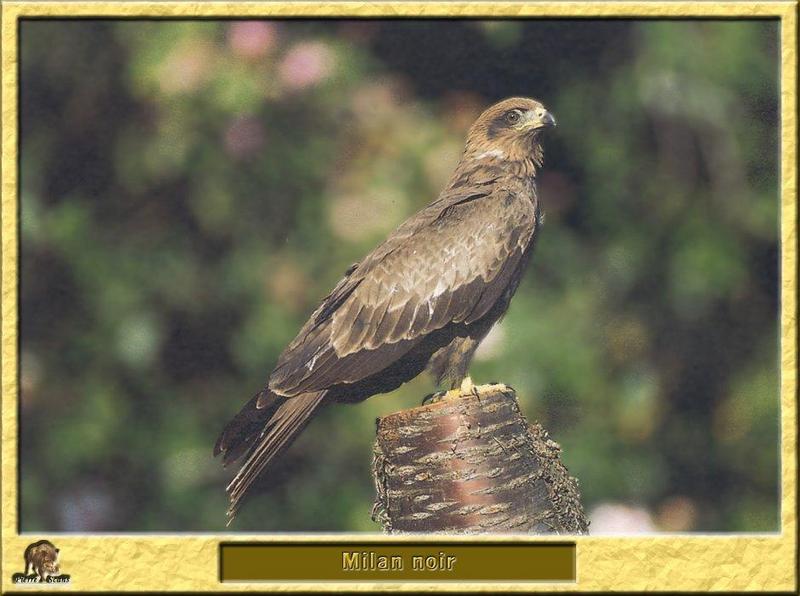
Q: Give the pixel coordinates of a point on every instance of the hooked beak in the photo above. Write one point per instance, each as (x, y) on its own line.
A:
(548, 121)
(540, 119)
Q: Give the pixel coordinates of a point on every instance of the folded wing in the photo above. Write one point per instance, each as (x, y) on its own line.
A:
(448, 264)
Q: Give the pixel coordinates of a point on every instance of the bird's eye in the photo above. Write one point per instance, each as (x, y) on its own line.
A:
(512, 117)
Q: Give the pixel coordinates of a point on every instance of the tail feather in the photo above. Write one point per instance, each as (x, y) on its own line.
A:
(239, 434)
(272, 428)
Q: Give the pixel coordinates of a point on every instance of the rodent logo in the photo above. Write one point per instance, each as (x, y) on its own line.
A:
(41, 565)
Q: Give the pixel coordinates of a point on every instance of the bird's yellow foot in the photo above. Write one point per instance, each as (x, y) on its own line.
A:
(467, 387)
(440, 395)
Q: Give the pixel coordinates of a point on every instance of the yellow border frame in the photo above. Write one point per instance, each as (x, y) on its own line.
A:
(190, 562)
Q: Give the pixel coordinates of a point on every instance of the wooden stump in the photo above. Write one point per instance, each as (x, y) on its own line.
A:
(472, 464)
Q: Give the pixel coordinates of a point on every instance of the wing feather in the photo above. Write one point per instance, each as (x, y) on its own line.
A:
(380, 326)
(449, 263)
(403, 326)
(443, 311)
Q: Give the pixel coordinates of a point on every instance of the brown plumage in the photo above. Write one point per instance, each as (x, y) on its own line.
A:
(425, 298)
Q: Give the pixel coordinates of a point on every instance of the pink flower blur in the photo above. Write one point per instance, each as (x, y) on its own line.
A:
(306, 64)
(252, 39)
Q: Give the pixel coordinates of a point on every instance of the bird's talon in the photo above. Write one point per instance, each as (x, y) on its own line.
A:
(432, 398)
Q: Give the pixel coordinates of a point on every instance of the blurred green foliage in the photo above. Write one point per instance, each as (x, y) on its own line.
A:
(191, 190)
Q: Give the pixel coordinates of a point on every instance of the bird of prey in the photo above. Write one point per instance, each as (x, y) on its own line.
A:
(423, 299)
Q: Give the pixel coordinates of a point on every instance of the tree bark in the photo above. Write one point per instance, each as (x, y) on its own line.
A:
(472, 464)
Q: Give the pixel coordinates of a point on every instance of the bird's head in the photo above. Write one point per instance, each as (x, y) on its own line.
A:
(510, 130)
